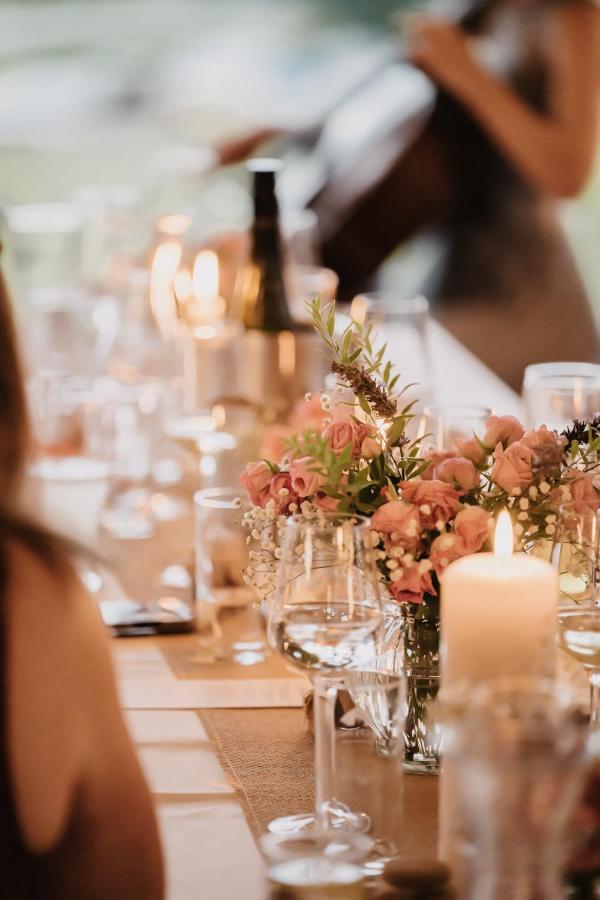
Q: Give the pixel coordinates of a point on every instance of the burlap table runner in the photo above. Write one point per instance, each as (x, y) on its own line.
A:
(268, 754)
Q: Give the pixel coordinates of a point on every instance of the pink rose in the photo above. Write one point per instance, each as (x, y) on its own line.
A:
(273, 441)
(459, 472)
(444, 550)
(325, 503)
(435, 499)
(370, 448)
(306, 479)
(540, 438)
(411, 586)
(502, 430)
(281, 491)
(308, 415)
(342, 432)
(582, 488)
(472, 525)
(400, 521)
(257, 481)
(512, 468)
(471, 449)
(435, 457)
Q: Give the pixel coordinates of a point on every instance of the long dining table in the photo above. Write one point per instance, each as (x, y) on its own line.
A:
(225, 745)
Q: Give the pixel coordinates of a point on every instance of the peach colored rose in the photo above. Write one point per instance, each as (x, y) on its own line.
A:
(412, 586)
(281, 491)
(538, 438)
(256, 479)
(471, 449)
(370, 448)
(435, 499)
(342, 432)
(459, 472)
(400, 521)
(273, 440)
(512, 467)
(472, 525)
(444, 550)
(582, 488)
(305, 481)
(502, 430)
(308, 415)
(325, 503)
(435, 457)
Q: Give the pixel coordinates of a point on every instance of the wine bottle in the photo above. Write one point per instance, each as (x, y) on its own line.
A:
(263, 296)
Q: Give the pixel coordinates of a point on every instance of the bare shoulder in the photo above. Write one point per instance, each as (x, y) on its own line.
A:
(57, 661)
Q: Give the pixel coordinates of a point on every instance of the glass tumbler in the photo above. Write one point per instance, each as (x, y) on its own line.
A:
(441, 426)
(557, 393)
(577, 552)
(513, 773)
(221, 555)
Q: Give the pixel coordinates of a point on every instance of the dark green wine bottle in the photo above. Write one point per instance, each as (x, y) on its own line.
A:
(264, 301)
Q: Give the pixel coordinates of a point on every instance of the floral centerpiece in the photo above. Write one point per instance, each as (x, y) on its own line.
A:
(360, 454)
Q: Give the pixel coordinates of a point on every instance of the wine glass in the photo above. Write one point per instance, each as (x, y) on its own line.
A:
(441, 426)
(577, 547)
(579, 636)
(324, 620)
(557, 393)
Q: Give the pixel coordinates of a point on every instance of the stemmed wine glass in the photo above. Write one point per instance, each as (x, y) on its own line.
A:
(579, 636)
(324, 620)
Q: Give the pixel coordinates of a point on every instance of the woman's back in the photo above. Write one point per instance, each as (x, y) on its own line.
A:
(76, 819)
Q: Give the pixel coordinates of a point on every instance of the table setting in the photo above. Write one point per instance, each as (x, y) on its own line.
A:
(352, 580)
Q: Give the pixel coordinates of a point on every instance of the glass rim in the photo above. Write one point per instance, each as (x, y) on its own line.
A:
(560, 369)
(215, 498)
(300, 519)
(415, 305)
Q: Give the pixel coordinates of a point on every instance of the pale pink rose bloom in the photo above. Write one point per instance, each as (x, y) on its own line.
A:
(582, 488)
(471, 449)
(441, 499)
(281, 491)
(308, 414)
(256, 479)
(342, 432)
(401, 519)
(540, 437)
(412, 586)
(472, 525)
(273, 441)
(305, 482)
(325, 503)
(370, 448)
(459, 472)
(512, 468)
(444, 550)
(502, 430)
(435, 457)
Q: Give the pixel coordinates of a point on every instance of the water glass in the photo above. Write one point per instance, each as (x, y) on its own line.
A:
(557, 393)
(404, 324)
(577, 552)
(513, 772)
(440, 427)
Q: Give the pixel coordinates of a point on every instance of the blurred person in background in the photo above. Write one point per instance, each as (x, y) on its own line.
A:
(512, 130)
(76, 818)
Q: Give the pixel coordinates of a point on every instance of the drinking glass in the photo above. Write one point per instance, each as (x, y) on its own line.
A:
(557, 393)
(306, 282)
(440, 426)
(513, 767)
(404, 324)
(324, 620)
(577, 551)
(579, 636)
(221, 554)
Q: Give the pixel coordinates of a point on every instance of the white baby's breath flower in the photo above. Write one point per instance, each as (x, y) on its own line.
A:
(440, 525)
(326, 403)
(523, 516)
(424, 566)
(551, 529)
(550, 519)
(533, 492)
(524, 503)
(544, 487)
(392, 564)
(308, 397)
(396, 575)
(425, 509)
(516, 491)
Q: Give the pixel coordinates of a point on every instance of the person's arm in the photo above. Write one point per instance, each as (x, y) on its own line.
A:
(68, 745)
(555, 152)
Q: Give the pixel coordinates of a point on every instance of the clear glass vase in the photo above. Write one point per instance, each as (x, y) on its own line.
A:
(411, 647)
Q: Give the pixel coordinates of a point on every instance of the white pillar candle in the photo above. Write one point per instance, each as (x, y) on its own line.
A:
(499, 615)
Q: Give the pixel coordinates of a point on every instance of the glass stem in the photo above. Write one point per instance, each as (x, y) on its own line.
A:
(595, 700)
(325, 695)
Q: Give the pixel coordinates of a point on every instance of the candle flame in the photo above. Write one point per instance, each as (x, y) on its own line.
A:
(503, 538)
(174, 224)
(205, 279)
(164, 268)
(183, 285)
